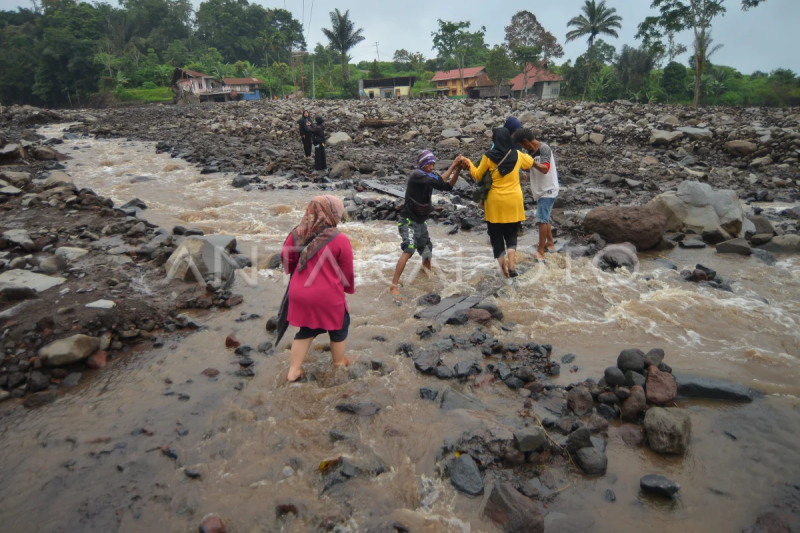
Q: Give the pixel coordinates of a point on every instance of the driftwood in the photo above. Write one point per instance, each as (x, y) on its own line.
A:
(378, 123)
(372, 184)
(449, 306)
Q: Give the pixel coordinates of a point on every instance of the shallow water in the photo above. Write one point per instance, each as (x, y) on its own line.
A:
(243, 440)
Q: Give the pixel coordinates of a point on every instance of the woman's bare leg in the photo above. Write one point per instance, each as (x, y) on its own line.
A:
(512, 259)
(298, 355)
(337, 352)
(503, 267)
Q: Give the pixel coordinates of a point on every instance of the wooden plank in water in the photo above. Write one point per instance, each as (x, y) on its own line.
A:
(439, 308)
(384, 188)
(449, 306)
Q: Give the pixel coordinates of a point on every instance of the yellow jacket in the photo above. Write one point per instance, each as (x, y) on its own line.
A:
(504, 204)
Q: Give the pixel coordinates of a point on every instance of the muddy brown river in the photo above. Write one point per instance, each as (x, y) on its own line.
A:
(84, 464)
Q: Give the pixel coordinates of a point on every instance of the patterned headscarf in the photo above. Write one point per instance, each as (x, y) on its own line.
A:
(318, 227)
(425, 158)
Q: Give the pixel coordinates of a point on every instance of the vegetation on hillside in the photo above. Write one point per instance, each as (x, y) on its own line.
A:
(61, 52)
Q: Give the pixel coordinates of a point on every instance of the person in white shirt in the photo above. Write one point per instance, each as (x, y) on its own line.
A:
(544, 187)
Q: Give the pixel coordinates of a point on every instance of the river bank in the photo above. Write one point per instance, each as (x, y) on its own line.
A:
(249, 448)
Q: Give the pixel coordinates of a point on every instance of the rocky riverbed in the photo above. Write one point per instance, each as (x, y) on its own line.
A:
(528, 409)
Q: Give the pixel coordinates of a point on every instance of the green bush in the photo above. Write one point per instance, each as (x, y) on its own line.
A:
(732, 98)
(149, 85)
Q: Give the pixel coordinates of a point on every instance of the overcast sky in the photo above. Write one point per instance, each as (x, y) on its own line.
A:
(759, 39)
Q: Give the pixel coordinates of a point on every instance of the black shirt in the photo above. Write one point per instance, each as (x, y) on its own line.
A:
(318, 133)
(305, 126)
(418, 195)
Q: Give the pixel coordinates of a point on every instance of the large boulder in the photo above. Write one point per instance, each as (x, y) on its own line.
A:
(662, 137)
(734, 246)
(741, 148)
(697, 134)
(511, 511)
(616, 256)
(339, 137)
(668, 430)
(197, 258)
(784, 244)
(711, 389)
(579, 401)
(697, 208)
(465, 475)
(592, 461)
(69, 350)
(634, 405)
(642, 226)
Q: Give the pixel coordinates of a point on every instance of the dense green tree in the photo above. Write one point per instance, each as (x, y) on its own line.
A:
(674, 79)
(596, 19)
(525, 30)
(455, 42)
(343, 37)
(499, 68)
(633, 66)
(375, 71)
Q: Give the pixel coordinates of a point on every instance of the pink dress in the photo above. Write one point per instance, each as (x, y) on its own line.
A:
(316, 295)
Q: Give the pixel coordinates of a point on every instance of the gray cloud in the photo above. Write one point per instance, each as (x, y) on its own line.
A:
(755, 40)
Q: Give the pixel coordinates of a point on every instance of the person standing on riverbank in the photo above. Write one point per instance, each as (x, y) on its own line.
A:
(418, 207)
(305, 133)
(505, 208)
(318, 132)
(544, 187)
(320, 260)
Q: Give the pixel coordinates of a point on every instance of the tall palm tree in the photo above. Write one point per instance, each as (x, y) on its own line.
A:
(596, 19)
(343, 37)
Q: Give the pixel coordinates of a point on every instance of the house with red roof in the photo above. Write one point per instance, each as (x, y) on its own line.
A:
(449, 83)
(542, 83)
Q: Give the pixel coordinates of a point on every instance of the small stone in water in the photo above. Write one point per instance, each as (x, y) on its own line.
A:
(659, 485)
(610, 496)
(288, 471)
(192, 473)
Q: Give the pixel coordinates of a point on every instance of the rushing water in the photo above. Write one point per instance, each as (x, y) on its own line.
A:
(263, 443)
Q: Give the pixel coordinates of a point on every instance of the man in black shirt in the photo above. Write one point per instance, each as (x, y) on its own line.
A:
(418, 207)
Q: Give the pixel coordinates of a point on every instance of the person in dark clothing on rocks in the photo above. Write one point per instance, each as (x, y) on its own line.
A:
(305, 133)
(418, 207)
(318, 132)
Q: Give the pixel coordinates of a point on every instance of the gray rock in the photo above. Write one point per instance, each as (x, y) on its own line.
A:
(711, 389)
(511, 511)
(634, 378)
(734, 246)
(669, 430)
(240, 181)
(197, 258)
(591, 461)
(529, 439)
(578, 439)
(579, 400)
(662, 137)
(449, 133)
(69, 350)
(19, 237)
(654, 357)
(741, 148)
(783, 244)
(465, 475)
(339, 137)
(38, 381)
(631, 359)
(696, 208)
(426, 360)
(452, 399)
(659, 485)
(71, 380)
(614, 376)
(697, 134)
(427, 393)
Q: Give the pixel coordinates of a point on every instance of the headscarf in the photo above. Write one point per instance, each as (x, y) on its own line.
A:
(425, 158)
(320, 120)
(512, 125)
(502, 144)
(318, 227)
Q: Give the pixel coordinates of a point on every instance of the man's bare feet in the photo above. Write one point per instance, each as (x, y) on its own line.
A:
(539, 255)
(394, 291)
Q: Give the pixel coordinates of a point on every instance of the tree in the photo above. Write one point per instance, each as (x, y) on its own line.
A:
(525, 57)
(596, 19)
(343, 37)
(526, 30)
(674, 79)
(499, 68)
(401, 59)
(454, 41)
(375, 71)
(417, 61)
(163, 72)
(682, 15)
(633, 65)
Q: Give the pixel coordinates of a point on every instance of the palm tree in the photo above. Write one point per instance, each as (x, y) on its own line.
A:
(343, 37)
(163, 72)
(596, 19)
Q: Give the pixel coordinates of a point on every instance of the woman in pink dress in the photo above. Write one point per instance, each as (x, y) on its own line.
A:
(320, 260)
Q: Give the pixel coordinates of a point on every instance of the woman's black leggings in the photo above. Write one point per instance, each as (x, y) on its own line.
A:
(307, 144)
(503, 237)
